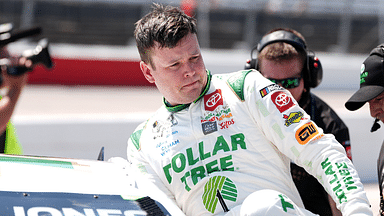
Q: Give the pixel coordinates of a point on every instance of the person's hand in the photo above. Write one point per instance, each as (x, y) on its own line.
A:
(10, 90)
(13, 83)
(24, 62)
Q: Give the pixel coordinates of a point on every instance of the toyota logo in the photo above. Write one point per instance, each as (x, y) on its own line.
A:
(282, 100)
(212, 101)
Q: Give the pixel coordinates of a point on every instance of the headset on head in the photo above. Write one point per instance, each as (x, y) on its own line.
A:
(313, 72)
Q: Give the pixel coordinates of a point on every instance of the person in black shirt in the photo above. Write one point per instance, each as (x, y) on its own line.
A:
(283, 57)
(372, 91)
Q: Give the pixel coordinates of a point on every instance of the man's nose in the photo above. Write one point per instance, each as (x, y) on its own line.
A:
(189, 70)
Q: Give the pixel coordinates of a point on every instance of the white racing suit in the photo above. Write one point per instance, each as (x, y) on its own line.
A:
(237, 138)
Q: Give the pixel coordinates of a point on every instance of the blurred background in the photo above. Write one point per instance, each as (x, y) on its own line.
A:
(345, 26)
(96, 95)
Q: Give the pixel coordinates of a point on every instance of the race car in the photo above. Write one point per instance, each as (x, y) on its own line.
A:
(37, 186)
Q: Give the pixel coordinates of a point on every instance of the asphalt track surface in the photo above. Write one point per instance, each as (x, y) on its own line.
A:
(45, 102)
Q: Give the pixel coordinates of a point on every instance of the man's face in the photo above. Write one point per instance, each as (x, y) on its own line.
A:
(179, 73)
(282, 70)
(376, 107)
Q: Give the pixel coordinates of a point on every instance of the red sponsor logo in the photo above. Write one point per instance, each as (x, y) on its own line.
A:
(225, 124)
(211, 101)
(282, 101)
(349, 152)
(214, 118)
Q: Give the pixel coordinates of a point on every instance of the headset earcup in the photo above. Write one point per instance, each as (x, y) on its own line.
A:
(251, 64)
(315, 70)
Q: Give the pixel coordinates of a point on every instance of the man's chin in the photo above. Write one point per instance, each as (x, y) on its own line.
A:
(192, 94)
(189, 100)
(185, 100)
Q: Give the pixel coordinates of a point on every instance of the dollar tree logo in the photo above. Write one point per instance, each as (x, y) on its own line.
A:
(223, 184)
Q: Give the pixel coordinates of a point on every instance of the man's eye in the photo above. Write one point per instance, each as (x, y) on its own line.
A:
(174, 65)
(194, 58)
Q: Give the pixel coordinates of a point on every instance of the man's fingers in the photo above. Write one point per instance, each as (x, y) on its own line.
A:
(4, 102)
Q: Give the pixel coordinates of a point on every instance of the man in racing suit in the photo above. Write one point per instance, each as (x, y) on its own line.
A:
(220, 140)
(283, 58)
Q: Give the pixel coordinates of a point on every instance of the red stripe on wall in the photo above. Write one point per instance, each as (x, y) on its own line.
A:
(89, 72)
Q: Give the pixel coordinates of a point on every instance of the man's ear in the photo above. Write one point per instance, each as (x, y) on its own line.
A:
(147, 71)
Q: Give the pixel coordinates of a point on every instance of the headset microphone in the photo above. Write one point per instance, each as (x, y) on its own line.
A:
(375, 125)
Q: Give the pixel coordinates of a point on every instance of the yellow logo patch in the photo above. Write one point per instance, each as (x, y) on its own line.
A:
(306, 133)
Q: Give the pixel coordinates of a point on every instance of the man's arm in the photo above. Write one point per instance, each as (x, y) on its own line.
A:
(146, 178)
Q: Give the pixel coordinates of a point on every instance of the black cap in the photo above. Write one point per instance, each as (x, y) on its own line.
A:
(371, 79)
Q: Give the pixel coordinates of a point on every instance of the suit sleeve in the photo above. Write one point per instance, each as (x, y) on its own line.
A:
(146, 178)
(292, 131)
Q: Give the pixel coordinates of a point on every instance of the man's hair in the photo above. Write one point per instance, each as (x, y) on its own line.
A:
(166, 25)
(282, 51)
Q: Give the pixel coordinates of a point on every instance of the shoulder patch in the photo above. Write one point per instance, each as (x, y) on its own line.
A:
(135, 136)
(236, 83)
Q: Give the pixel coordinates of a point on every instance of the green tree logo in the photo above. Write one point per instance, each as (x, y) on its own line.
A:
(363, 76)
(222, 184)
